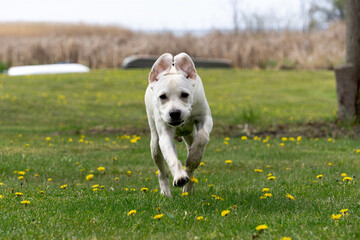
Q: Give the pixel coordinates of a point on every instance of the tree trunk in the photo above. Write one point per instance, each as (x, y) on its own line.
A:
(348, 76)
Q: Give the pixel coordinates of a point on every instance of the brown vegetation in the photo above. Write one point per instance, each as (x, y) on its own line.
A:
(107, 46)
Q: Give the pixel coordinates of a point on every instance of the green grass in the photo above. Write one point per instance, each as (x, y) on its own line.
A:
(111, 102)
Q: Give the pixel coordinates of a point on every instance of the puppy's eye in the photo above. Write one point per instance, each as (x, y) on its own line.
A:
(163, 97)
(184, 95)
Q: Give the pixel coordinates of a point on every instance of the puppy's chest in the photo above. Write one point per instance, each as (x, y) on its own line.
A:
(185, 129)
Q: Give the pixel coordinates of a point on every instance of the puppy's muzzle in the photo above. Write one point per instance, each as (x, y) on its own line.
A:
(175, 115)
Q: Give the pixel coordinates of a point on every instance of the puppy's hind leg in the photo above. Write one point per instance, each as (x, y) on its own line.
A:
(160, 162)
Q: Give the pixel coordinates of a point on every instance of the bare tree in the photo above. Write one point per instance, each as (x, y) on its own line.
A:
(235, 15)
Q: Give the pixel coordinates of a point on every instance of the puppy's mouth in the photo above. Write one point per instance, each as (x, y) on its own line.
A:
(175, 124)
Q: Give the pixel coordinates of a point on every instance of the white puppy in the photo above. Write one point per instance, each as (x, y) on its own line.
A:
(176, 106)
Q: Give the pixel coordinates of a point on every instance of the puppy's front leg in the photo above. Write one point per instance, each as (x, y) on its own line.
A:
(197, 148)
(166, 142)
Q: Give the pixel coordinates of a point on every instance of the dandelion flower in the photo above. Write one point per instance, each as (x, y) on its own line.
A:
(194, 180)
(336, 216)
(258, 170)
(329, 163)
(284, 139)
(185, 194)
(271, 178)
(347, 179)
(27, 145)
(21, 177)
(48, 139)
(131, 213)
(21, 172)
(211, 185)
(25, 202)
(226, 139)
(115, 158)
(225, 213)
(19, 194)
(265, 190)
(70, 139)
(344, 212)
(200, 218)
(63, 186)
(128, 173)
(101, 169)
(281, 144)
(158, 216)
(226, 142)
(228, 161)
(95, 186)
(116, 179)
(290, 197)
(244, 138)
(89, 177)
(261, 227)
(42, 192)
(1, 184)
(285, 238)
(144, 189)
(319, 176)
(1, 196)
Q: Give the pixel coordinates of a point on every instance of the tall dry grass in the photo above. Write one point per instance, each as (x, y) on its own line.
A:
(107, 46)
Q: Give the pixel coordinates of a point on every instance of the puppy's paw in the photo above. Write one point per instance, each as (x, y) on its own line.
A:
(181, 180)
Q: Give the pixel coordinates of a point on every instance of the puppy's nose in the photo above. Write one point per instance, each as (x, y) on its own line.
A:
(175, 114)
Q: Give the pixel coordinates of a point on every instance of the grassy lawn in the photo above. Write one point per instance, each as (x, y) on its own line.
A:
(65, 127)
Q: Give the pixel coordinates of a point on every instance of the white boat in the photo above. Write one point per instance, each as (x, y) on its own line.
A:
(48, 69)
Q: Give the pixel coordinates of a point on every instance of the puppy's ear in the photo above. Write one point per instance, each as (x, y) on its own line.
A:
(185, 65)
(161, 66)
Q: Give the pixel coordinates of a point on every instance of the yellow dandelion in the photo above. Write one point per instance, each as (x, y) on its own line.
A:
(49, 179)
(357, 150)
(48, 139)
(95, 186)
(343, 174)
(42, 192)
(101, 169)
(107, 139)
(271, 178)
(95, 189)
(115, 158)
(27, 145)
(347, 179)
(319, 176)
(70, 139)
(202, 164)
(131, 213)
(266, 190)
(129, 173)
(228, 161)
(25, 202)
(344, 212)
(284, 139)
(291, 139)
(299, 138)
(211, 185)
(268, 195)
(21, 172)
(19, 194)
(281, 144)
(225, 213)
(158, 216)
(21, 177)
(226, 142)
(144, 189)
(329, 163)
(244, 138)
(89, 177)
(200, 218)
(290, 197)
(194, 180)
(64, 186)
(258, 170)
(227, 139)
(116, 179)
(330, 139)
(81, 140)
(261, 227)
(336, 216)
(1, 184)
(285, 238)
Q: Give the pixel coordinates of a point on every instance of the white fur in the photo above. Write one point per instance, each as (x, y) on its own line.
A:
(196, 121)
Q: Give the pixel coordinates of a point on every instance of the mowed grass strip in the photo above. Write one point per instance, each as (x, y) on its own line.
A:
(114, 99)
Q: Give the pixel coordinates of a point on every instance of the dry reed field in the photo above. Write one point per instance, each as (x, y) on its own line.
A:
(107, 46)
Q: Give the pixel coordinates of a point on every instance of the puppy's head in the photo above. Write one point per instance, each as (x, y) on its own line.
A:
(173, 87)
